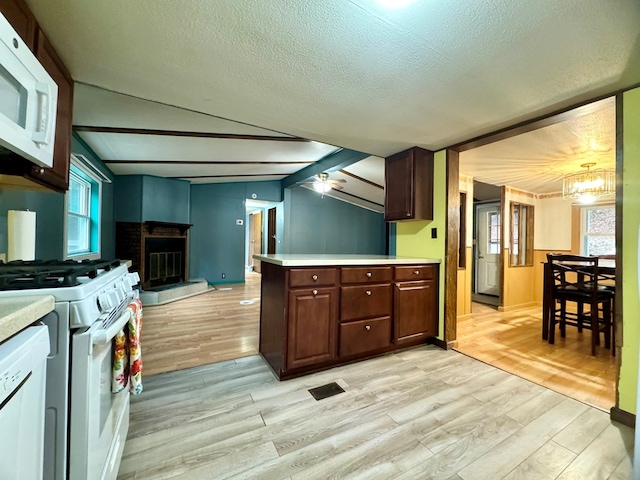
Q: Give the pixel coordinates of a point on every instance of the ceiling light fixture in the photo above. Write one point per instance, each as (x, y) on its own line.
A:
(322, 186)
(588, 184)
(395, 4)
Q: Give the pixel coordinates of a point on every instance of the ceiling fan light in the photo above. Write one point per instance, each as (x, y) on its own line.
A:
(589, 183)
(321, 187)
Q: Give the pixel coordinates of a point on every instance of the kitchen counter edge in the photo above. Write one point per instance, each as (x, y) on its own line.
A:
(20, 312)
(292, 260)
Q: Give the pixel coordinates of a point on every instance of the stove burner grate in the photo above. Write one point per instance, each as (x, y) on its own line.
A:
(20, 274)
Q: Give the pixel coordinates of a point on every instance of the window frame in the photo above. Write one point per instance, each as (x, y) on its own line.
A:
(84, 175)
(583, 225)
(522, 242)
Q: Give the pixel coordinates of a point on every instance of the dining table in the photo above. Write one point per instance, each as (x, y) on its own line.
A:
(606, 270)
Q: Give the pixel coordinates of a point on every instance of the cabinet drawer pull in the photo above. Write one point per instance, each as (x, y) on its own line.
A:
(367, 327)
(368, 292)
(368, 274)
(314, 277)
(315, 292)
(416, 272)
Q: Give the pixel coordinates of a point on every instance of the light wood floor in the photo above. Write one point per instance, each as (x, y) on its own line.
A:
(421, 414)
(203, 329)
(513, 341)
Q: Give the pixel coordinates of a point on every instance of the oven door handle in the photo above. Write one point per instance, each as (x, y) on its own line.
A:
(104, 336)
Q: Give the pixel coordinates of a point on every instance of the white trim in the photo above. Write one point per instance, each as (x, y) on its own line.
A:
(94, 255)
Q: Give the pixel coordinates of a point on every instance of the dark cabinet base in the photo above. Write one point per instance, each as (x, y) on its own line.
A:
(305, 327)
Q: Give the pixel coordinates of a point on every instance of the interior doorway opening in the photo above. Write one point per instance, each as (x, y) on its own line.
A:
(486, 276)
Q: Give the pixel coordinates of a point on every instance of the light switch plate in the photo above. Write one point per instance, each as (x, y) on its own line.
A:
(239, 222)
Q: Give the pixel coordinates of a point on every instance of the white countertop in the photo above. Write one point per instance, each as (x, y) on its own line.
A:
(315, 260)
(20, 312)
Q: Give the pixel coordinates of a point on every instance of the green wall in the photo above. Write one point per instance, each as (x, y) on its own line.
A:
(413, 239)
(627, 386)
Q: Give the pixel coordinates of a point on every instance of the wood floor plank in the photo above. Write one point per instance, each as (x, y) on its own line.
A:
(545, 464)
(465, 450)
(509, 454)
(536, 406)
(583, 430)
(602, 456)
(624, 470)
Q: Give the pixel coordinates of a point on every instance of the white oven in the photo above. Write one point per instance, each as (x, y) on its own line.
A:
(100, 420)
(28, 100)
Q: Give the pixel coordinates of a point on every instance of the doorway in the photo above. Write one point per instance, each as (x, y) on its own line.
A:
(255, 239)
(487, 238)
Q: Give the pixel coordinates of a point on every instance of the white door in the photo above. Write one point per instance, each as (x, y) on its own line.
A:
(488, 249)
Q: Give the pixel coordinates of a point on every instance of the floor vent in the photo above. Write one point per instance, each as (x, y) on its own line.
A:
(328, 390)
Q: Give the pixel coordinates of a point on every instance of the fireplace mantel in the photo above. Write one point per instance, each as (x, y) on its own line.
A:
(152, 225)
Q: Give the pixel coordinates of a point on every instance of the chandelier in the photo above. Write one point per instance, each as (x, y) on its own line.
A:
(588, 184)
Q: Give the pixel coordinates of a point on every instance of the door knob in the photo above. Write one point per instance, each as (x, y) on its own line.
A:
(480, 256)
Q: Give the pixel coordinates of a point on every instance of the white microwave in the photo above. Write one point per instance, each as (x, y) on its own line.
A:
(28, 101)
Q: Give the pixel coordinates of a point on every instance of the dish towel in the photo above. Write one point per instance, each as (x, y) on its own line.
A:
(127, 353)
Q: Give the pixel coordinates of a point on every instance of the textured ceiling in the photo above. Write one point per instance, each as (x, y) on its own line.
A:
(536, 161)
(350, 73)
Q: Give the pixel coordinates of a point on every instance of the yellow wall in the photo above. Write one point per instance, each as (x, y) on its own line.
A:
(414, 238)
(630, 222)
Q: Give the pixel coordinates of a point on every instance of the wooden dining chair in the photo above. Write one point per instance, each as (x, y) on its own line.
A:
(575, 278)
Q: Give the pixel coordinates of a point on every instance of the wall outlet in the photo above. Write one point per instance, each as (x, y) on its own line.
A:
(224, 275)
(434, 233)
(239, 222)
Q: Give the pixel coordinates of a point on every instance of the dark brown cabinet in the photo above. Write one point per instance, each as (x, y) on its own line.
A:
(27, 174)
(312, 314)
(313, 318)
(21, 19)
(415, 303)
(408, 185)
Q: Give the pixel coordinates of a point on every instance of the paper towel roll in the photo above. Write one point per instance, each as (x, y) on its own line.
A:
(22, 235)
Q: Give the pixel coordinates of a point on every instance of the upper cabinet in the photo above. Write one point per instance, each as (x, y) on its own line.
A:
(408, 185)
(21, 172)
(21, 19)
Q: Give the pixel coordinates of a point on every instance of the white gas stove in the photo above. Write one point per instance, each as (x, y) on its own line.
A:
(84, 437)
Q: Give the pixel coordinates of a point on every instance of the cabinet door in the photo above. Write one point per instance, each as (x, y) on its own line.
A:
(398, 186)
(415, 311)
(21, 19)
(56, 177)
(408, 185)
(312, 326)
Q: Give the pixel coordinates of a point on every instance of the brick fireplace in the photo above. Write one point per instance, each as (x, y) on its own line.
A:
(158, 251)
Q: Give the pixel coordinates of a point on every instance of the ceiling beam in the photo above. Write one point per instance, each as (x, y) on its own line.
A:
(179, 133)
(334, 161)
(369, 182)
(194, 162)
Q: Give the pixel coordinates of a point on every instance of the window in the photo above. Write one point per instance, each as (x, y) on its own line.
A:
(521, 244)
(598, 230)
(493, 227)
(83, 204)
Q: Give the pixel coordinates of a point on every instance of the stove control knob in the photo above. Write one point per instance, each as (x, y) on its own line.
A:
(134, 277)
(104, 300)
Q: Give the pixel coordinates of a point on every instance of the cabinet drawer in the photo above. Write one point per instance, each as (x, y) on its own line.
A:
(312, 277)
(365, 301)
(365, 274)
(364, 336)
(415, 272)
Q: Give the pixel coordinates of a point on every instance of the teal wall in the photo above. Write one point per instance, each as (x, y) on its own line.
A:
(317, 224)
(49, 208)
(217, 245)
(140, 198)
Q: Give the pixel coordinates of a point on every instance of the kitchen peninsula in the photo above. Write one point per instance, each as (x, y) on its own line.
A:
(319, 311)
